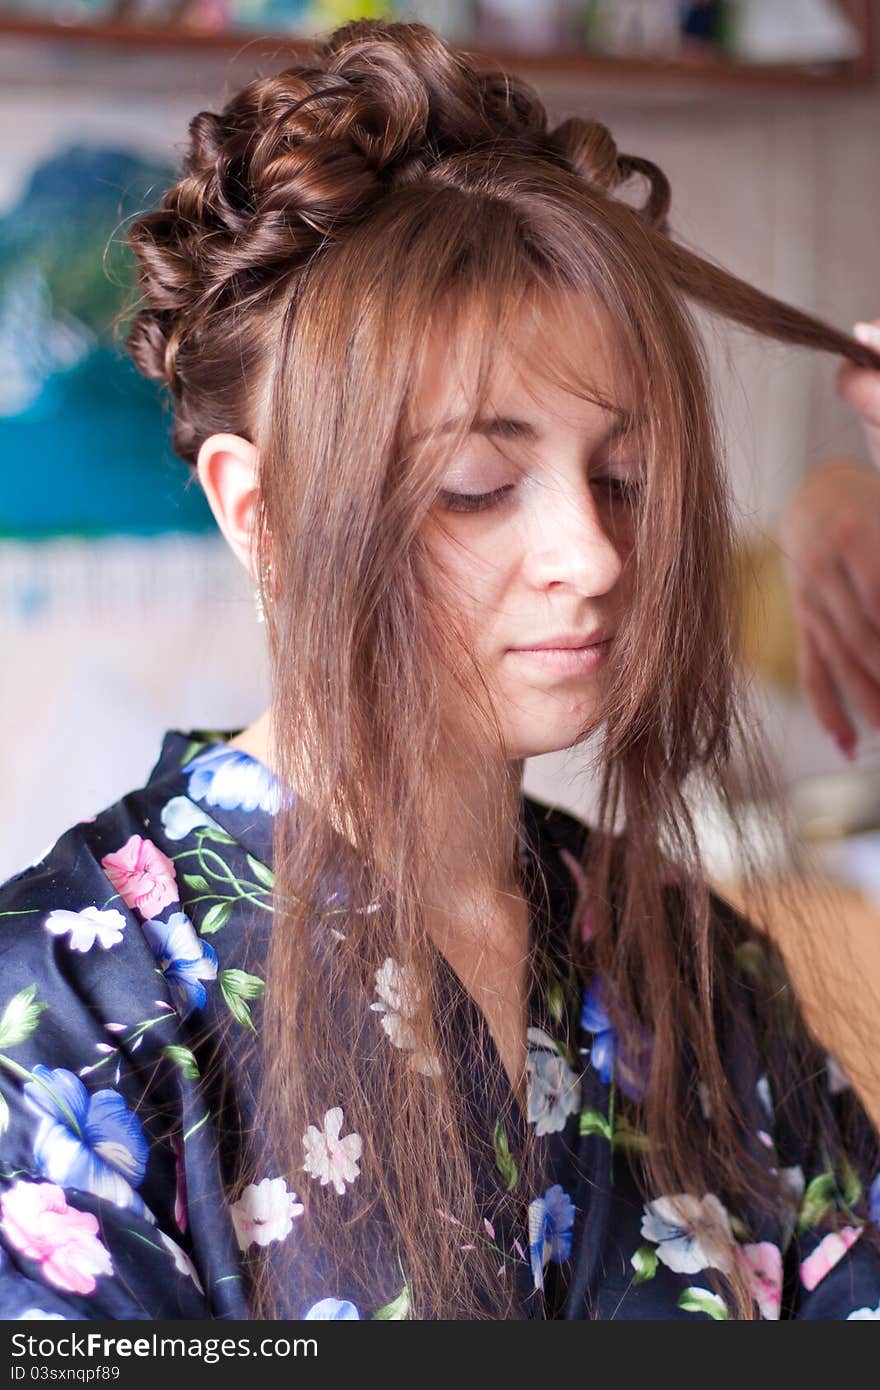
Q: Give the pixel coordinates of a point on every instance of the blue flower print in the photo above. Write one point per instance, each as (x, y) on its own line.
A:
(332, 1309)
(874, 1200)
(606, 1054)
(231, 778)
(90, 1141)
(184, 959)
(551, 1220)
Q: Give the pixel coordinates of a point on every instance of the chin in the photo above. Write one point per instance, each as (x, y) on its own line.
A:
(551, 733)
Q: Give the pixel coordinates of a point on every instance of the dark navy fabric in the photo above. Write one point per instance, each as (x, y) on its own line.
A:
(127, 977)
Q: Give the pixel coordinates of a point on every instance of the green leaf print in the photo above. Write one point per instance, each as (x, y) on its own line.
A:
(215, 918)
(829, 1190)
(850, 1183)
(396, 1310)
(818, 1199)
(695, 1300)
(644, 1262)
(627, 1137)
(192, 748)
(739, 1229)
(556, 1001)
(751, 958)
(215, 833)
(197, 882)
(20, 1017)
(236, 987)
(504, 1160)
(183, 1058)
(4, 1115)
(261, 872)
(592, 1122)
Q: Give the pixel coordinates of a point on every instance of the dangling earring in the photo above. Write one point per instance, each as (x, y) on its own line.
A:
(258, 598)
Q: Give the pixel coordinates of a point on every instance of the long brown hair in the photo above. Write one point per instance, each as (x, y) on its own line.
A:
(325, 223)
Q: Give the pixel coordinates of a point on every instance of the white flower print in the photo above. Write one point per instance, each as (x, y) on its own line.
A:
(554, 1090)
(264, 1212)
(398, 997)
(864, 1314)
(690, 1233)
(762, 1087)
(705, 1099)
(327, 1156)
(792, 1183)
(182, 1261)
(86, 927)
(837, 1078)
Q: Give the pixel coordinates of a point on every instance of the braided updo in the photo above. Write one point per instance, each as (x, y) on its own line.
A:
(291, 162)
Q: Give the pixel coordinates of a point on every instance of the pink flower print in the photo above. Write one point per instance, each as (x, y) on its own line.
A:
(762, 1266)
(142, 875)
(829, 1252)
(327, 1156)
(35, 1218)
(180, 1206)
(587, 925)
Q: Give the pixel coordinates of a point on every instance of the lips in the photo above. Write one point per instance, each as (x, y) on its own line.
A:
(567, 642)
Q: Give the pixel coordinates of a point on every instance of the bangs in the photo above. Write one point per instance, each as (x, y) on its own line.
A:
(545, 334)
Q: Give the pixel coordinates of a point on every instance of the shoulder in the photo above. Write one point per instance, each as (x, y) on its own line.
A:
(76, 967)
(78, 904)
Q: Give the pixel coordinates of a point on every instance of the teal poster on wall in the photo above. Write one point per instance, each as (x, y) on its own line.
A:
(85, 441)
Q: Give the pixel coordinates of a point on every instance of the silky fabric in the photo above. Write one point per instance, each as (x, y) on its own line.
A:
(138, 941)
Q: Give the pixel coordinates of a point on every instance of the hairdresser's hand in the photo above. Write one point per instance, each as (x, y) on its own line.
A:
(860, 388)
(830, 537)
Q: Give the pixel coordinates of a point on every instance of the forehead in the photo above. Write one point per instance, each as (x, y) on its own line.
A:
(554, 358)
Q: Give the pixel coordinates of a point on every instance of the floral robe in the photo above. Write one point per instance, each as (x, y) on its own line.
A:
(122, 952)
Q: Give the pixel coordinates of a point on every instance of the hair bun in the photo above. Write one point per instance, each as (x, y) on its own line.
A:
(592, 152)
(295, 158)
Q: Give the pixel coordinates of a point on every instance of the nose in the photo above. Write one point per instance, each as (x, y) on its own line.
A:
(569, 544)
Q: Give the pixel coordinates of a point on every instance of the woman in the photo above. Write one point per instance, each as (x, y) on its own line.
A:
(329, 1020)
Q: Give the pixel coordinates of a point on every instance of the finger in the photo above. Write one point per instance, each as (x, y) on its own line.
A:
(849, 677)
(859, 387)
(867, 331)
(822, 693)
(860, 569)
(836, 595)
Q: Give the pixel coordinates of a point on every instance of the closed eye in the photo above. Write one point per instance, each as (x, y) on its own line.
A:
(473, 501)
(627, 489)
(622, 489)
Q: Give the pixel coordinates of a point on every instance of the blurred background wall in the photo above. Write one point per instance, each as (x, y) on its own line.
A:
(122, 611)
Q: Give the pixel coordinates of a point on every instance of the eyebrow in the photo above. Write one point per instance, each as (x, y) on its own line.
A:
(503, 427)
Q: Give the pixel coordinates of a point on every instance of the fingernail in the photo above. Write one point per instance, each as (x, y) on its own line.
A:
(846, 744)
(867, 333)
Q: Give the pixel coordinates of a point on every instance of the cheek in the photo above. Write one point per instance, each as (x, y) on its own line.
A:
(471, 574)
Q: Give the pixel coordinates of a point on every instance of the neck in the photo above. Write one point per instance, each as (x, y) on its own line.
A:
(475, 873)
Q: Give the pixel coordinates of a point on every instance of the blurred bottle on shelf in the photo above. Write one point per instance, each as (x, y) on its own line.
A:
(630, 28)
(264, 16)
(453, 20)
(792, 31)
(322, 16)
(529, 25)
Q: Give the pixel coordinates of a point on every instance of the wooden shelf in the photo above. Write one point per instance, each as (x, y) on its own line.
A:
(698, 70)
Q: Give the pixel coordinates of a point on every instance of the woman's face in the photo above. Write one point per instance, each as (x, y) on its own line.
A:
(531, 535)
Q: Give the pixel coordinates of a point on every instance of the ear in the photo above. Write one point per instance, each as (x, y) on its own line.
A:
(228, 471)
